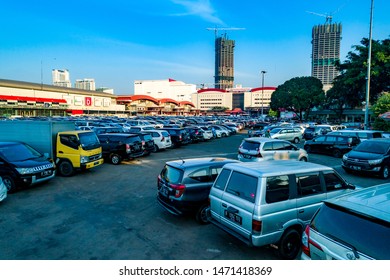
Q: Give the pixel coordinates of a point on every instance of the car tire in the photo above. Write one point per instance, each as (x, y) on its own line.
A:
(202, 214)
(9, 184)
(65, 168)
(296, 140)
(303, 159)
(385, 172)
(336, 153)
(156, 148)
(115, 159)
(290, 244)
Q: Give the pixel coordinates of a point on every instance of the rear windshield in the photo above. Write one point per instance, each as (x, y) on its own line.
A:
(249, 145)
(171, 175)
(309, 129)
(368, 236)
(375, 147)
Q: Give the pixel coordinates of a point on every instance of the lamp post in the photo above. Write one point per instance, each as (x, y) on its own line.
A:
(262, 92)
(366, 125)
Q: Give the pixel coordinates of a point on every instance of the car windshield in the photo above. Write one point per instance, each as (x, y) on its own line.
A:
(19, 152)
(89, 140)
(171, 175)
(375, 147)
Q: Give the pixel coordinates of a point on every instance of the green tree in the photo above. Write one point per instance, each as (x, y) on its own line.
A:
(350, 85)
(382, 106)
(299, 95)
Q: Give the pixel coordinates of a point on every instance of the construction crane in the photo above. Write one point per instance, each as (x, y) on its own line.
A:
(327, 16)
(215, 29)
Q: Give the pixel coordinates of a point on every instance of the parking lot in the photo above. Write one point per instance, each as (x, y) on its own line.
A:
(111, 213)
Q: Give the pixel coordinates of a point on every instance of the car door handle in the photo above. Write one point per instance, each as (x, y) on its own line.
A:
(232, 210)
(301, 211)
(224, 205)
(60, 152)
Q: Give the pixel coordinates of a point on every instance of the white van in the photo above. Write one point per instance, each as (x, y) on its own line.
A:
(271, 202)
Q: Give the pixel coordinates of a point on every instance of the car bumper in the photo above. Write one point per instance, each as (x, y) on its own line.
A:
(92, 164)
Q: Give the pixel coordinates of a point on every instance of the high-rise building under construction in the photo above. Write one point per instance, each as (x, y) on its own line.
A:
(224, 62)
(325, 52)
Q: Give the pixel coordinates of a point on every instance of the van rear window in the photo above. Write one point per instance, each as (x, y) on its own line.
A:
(249, 145)
(243, 186)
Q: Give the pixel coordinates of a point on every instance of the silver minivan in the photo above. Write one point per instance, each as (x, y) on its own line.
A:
(271, 202)
(292, 134)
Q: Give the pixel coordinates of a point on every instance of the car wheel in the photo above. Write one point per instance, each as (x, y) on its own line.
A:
(9, 184)
(202, 214)
(296, 140)
(385, 172)
(65, 168)
(115, 159)
(303, 159)
(337, 153)
(290, 244)
(156, 148)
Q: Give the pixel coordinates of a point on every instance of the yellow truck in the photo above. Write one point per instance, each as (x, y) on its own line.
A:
(69, 148)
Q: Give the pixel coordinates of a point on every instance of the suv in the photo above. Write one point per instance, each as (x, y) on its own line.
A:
(370, 156)
(361, 134)
(354, 226)
(322, 129)
(22, 166)
(183, 186)
(335, 145)
(179, 136)
(162, 139)
(119, 146)
(291, 134)
(261, 148)
(270, 203)
(147, 142)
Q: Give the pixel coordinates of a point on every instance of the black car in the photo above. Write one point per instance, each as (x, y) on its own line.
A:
(120, 146)
(195, 133)
(335, 145)
(22, 166)
(147, 142)
(370, 156)
(179, 136)
(183, 186)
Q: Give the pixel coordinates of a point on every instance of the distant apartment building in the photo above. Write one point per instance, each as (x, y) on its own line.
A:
(61, 78)
(224, 63)
(87, 84)
(105, 90)
(168, 88)
(325, 52)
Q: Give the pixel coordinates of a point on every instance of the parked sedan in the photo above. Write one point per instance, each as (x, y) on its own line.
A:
(370, 156)
(331, 144)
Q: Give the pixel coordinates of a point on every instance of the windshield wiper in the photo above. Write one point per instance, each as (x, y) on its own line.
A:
(353, 249)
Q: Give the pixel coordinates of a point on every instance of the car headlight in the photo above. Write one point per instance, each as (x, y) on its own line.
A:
(84, 159)
(24, 171)
(345, 157)
(375, 161)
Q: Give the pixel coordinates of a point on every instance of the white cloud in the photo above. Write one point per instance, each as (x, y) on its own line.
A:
(200, 8)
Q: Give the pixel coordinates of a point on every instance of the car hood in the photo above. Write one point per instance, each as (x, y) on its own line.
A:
(32, 162)
(363, 155)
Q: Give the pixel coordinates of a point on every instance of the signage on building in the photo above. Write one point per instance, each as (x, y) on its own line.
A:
(88, 101)
(98, 102)
(78, 101)
(106, 102)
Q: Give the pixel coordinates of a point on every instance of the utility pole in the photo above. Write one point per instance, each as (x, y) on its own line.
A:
(366, 115)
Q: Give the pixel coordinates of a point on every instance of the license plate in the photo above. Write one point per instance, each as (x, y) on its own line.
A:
(355, 167)
(46, 173)
(164, 191)
(233, 217)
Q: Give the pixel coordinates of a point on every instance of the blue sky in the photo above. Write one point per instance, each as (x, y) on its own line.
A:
(119, 41)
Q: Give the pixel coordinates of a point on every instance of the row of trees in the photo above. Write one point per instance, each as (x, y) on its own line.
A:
(302, 94)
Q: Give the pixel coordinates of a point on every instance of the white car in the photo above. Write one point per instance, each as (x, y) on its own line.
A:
(3, 190)
(162, 139)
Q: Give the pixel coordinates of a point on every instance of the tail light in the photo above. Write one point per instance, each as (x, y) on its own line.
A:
(256, 226)
(179, 189)
(128, 148)
(163, 138)
(306, 242)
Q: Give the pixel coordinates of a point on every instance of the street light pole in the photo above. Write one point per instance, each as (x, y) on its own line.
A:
(366, 124)
(262, 92)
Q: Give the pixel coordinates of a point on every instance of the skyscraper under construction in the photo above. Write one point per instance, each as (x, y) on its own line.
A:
(224, 62)
(325, 52)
